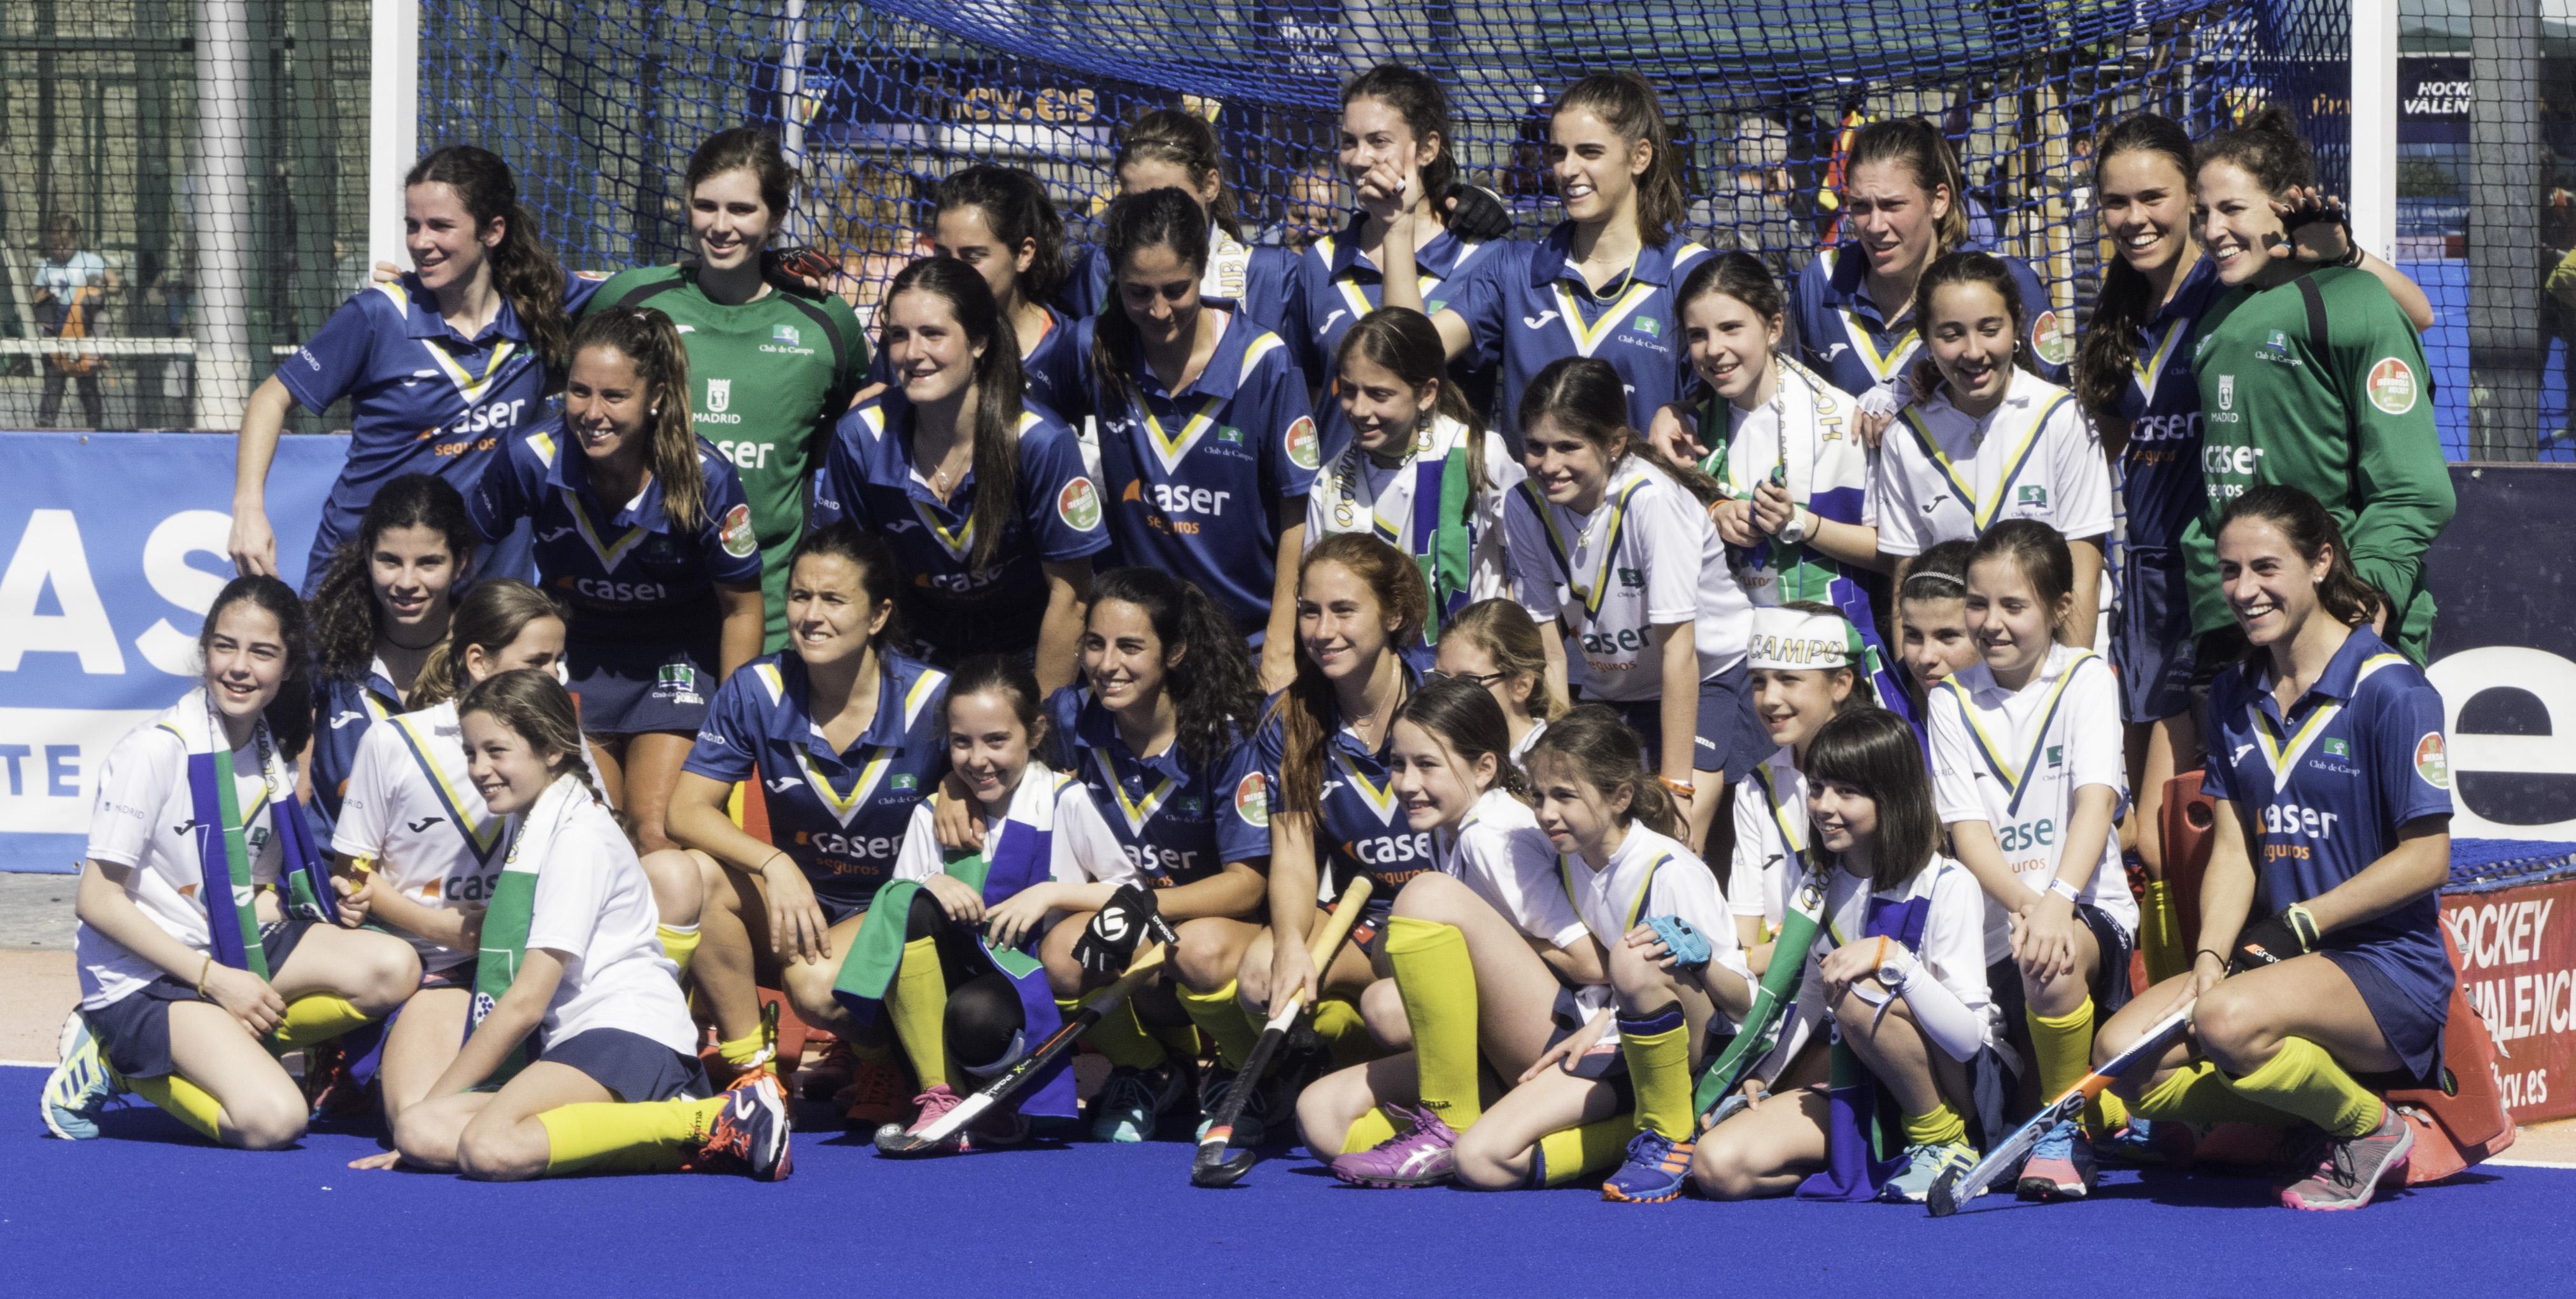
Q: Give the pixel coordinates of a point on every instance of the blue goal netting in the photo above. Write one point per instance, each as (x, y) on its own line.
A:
(598, 102)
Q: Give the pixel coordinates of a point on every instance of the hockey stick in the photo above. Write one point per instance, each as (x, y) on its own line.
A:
(1211, 1166)
(1007, 1084)
(1955, 1189)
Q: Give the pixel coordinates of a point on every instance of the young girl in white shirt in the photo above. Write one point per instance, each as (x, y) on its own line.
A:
(2029, 767)
(577, 1014)
(1899, 964)
(1490, 960)
(211, 935)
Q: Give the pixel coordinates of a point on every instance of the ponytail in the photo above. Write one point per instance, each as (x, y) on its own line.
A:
(491, 615)
(1607, 755)
(1627, 103)
(1187, 141)
(648, 339)
(1924, 151)
(524, 270)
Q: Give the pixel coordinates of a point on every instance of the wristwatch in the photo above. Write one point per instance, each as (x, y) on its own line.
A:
(1801, 520)
(1893, 971)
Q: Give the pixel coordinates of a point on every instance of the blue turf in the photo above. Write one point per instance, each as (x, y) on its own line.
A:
(150, 1209)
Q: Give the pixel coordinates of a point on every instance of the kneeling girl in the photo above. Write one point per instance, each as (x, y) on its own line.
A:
(570, 961)
(1674, 969)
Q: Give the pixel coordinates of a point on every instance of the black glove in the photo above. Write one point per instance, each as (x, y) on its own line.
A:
(1109, 942)
(2275, 939)
(1477, 213)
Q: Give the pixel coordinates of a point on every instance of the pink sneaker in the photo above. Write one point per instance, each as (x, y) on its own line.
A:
(1422, 1154)
(993, 1130)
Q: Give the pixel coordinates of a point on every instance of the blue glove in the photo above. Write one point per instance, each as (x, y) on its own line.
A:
(1690, 951)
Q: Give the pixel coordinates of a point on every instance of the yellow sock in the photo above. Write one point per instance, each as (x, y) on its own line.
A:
(1221, 1015)
(2064, 1047)
(618, 1137)
(679, 942)
(1339, 1024)
(1570, 1155)
(918, 1005)
(1180, 1041)
(318, 1017)
(2302, 1079)
(1118, 1036)
(2198, 1093)
(1941, 1127)
(745, 1051)
(2160, 934)
(2107, 1113)
(1657, 1048)
(181, 1100)
(1438, 984)
(1367, 1131)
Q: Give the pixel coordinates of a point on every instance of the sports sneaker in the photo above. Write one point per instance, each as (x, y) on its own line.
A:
(993, 1131)
(749, 1134)
(877, 1095)
(2355, 1167)
(827, 1078)
(1131, 1102)
(2145, 1143)
(1924, 1166)
(1252, 1126)
(81, 1084)
(2061, 1166)
(1424, 1153)
(1657, 1167)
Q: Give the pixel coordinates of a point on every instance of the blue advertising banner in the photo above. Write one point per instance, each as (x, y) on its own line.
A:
(113, 546)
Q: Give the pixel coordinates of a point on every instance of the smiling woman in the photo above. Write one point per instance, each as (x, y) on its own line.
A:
(770, 366)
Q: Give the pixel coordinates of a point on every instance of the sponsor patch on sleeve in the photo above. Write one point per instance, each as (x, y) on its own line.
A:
(1079, 505)
(2432, 761)
(1252, 800)
(2392, 386)
(1305, 449)
(2049, 338)
(737, 535)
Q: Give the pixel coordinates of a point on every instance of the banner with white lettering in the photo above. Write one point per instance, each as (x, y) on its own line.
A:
(115, 546)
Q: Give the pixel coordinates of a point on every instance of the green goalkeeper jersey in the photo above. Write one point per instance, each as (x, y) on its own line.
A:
(768, 379)
(2321, 385)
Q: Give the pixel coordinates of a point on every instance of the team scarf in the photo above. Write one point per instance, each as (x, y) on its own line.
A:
(1856, 1132)
(1438, 535)
(1773, 998)
(1019, 852)
(513, 903)
(223, 834)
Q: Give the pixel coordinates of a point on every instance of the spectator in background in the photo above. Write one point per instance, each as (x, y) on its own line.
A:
(1755, 204)
(876, 224)
(1309, 210)
(2558, 311)
(72, 291)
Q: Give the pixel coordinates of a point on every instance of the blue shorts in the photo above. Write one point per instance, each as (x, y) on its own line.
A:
(2412, 1029)
(2151, 641)
(631, 1066)
(1730, 739)
(632, 687)
(133, 1031)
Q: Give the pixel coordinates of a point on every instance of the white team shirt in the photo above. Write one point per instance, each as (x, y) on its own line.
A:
(1522, 746)
(1821, 455)
(1647, 557)
(2014, 759)
(411, 808)
(594, 906)
(1651, 875)
(2034, 456)
(1500, 852)
(145, 818)
(1953, 950)
(1771, 829)
(1082, 849)
(1357, 494)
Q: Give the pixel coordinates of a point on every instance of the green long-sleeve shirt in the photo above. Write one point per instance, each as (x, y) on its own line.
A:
(2347, 419)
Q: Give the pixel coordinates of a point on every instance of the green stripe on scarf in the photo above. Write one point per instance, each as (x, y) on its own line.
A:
(1447, 568)
(237, 861)
(1772, 1001)
(868, 967)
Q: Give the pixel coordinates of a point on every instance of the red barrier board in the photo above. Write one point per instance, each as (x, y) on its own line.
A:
(2518, 967)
